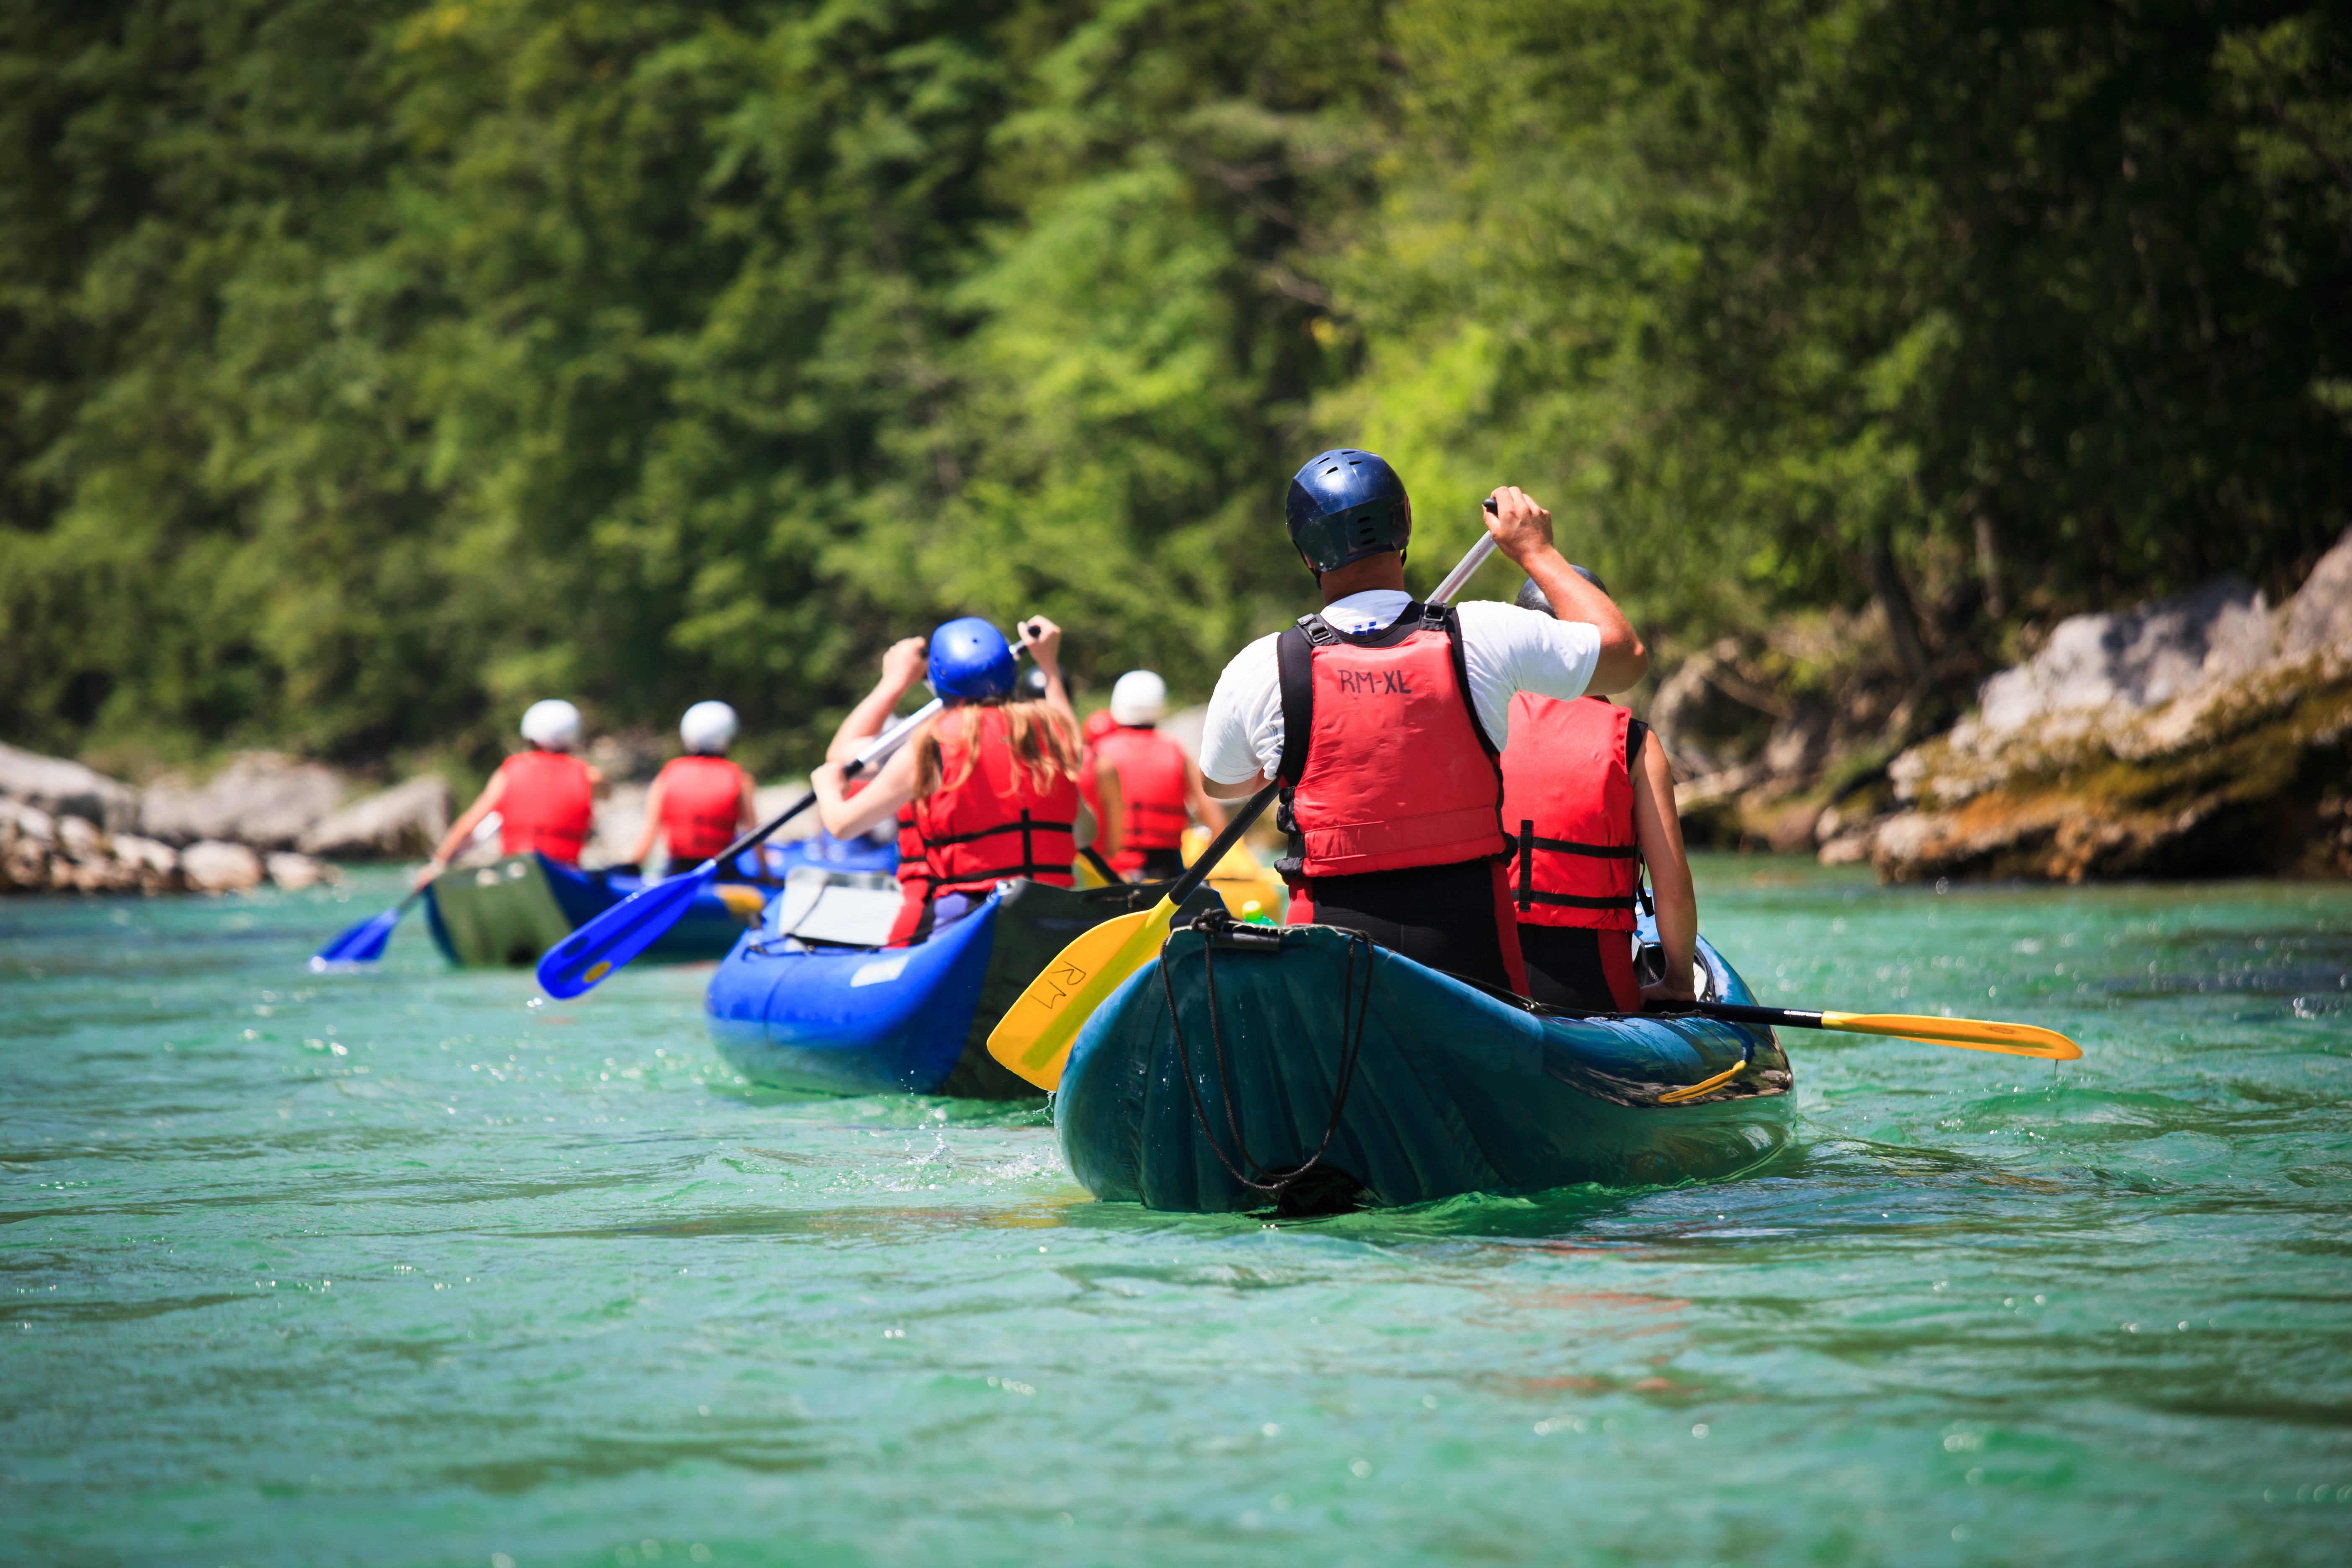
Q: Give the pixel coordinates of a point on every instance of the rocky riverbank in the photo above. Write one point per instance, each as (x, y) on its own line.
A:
(264, 817)
(65, 828)
(2200, 735)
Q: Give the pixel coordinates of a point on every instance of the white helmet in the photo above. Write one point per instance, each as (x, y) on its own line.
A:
(708, 728)
(1140, 698)
(553, 723)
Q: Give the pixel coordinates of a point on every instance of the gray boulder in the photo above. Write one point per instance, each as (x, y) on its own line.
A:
(213, 866)
(294, 872)
(28, 834)
(405, 821)
(2136, 659)
(2203, 734)
(63, 788)
(261, 799)
(155, 864)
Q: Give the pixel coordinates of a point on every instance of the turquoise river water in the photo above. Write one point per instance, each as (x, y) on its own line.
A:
(404, 1268)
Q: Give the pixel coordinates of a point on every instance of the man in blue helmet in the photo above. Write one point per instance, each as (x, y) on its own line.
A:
(1385, 719)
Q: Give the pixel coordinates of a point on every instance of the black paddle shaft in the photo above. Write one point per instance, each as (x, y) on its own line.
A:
(759, 836)
(1185, 886)
(1733, 1012)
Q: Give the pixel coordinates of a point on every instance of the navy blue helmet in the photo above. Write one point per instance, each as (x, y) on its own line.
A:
(1345, 505)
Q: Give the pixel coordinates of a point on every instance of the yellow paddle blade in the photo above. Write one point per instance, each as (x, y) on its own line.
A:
(1034, 1037)
(1976, 1034)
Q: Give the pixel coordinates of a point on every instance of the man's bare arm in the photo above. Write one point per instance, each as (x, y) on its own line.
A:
(1522, 531)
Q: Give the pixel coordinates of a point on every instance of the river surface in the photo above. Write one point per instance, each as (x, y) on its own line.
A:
(402, 1269)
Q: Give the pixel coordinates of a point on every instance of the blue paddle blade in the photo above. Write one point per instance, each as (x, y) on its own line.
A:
(362, 943)
(620, 933)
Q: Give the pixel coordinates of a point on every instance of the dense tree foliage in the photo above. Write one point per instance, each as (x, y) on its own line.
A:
(368, 368)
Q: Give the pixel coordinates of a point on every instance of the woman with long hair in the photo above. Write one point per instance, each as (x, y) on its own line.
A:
(989, 788)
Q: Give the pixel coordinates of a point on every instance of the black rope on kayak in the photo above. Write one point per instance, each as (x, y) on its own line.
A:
(1351, 1041)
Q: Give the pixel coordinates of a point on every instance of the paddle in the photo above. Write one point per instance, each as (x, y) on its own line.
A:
(606, 943)
(1034, 1037)
(1975, 1034)
(1972, 1034)
(364, 942)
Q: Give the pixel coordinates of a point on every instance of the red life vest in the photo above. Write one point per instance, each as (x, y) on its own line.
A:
(1151, 781)
(1097, 724)
(914, 872)
(1567, 800)
(546, 805)
(992, 826)
(702, 801)
(1384, 762)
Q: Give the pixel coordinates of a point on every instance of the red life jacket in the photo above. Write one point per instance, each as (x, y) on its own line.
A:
(1567, 798)
(993, 825)
(702, 801)
(1384, 763)
(547, 806)
(1151, 781)
(914, 872)
(1097, 724)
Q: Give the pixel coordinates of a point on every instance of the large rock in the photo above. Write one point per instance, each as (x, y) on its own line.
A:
(63, 788)
(2203, 734)
(213, 866)
(155, 864)
(260, 799)
(402, 822)
(27, 837)
(294, 872)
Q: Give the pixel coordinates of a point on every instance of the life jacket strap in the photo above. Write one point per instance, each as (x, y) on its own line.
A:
(1529, 896)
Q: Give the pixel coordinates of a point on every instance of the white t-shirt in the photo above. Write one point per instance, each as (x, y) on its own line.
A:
(1505, 649)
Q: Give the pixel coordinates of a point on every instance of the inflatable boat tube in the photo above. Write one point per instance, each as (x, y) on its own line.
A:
(510, 911)
(811, 1000)
(1442, 1088)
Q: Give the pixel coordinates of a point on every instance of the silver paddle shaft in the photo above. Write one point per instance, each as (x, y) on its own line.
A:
(879, 747)
(1462, 573)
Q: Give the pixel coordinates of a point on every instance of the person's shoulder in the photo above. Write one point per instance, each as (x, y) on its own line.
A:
(1255, 649)
(1495, 614)
(1255, 662)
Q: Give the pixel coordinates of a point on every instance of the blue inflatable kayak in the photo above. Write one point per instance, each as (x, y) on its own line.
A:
(823, 849)
(511, 912)
(1440, 1087)
(810, 999)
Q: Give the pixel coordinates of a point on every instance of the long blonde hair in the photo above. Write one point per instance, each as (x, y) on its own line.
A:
(1039, 738)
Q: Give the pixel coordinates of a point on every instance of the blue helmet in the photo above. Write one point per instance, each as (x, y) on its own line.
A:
(971, 661)
(1345, 505)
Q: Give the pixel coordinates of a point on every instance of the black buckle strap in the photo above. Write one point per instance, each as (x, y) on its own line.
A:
(1023, 827)
(1570, 846)
(1574, 901)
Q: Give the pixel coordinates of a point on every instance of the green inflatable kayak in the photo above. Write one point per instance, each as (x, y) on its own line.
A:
(509, 912)
(1246, 1055)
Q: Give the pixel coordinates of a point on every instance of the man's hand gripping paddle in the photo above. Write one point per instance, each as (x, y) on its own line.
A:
(1034, 1037)
(637, 922)
(364, 942)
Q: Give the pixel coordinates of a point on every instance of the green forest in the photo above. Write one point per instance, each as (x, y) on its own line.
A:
(370, 368)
